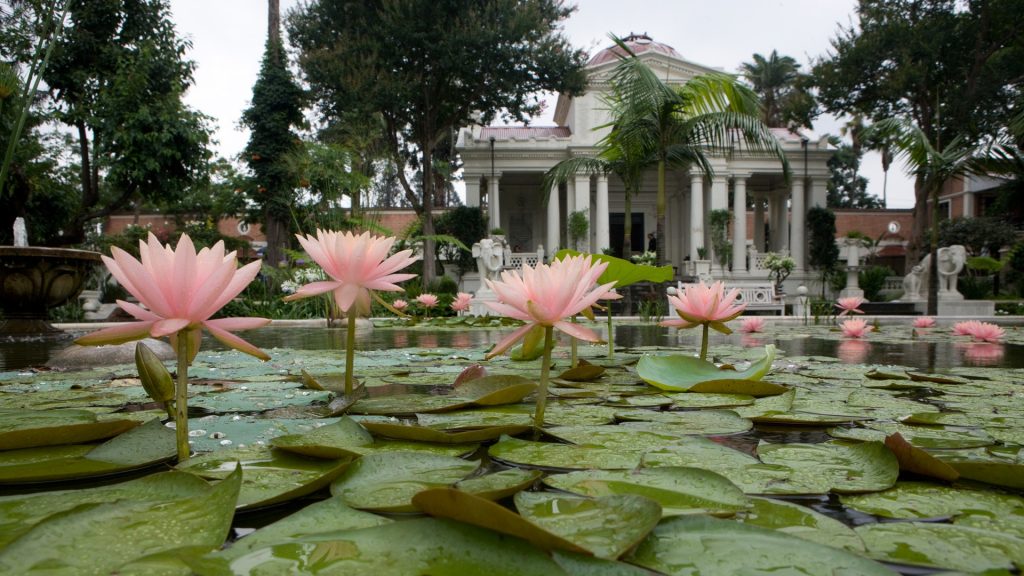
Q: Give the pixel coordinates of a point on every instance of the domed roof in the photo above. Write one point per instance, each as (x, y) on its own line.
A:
(638, 43)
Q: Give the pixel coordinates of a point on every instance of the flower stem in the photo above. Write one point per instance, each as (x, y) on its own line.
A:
(573, 349)
(542, 392)
(704, 344)
(350, 349)
(611, 333)
(181, 398)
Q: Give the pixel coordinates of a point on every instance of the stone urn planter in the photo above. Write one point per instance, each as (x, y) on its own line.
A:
(34, 279)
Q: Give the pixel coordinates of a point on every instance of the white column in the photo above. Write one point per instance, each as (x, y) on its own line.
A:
(759, 223)
(570, 198)
(554, 222)
(601, 216)
(582, 204)
(773, 222)
(739, 225)
(494, 202)
(783, 219)
(799, 214)
(720, 193)
(472, 189)
(819, 192)
(696, 215)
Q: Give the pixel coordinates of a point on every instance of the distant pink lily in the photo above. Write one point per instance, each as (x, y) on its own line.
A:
(400, 305)
(855, 328)
(924, 322)
(987, 332)
(180, 289)
(752, 324)
(357, 265)
(544, 296)
(462, 302)
(707, 306)
(427, 300)
(965, 328)
(850, 304)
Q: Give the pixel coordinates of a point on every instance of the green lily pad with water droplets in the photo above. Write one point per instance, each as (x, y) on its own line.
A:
(986, 466)
(834, 466)
(500, 484)
(802, 522)
(682, 373)
(386, 482)
(562, 456)
(709, 400)
(495, 390)
(606, 526)
(704, 545)
(678, 490)
(918, 500)
(98, 538)
(943, 546)
(270, 476)
(33, 428)
(424, 434)
(702, 422)
(584, 372)
(745, 471)
(927, 437)
(330, 515)
(139, 447)
(331, 441)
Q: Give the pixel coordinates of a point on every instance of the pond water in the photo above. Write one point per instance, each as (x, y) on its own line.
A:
(795, 341)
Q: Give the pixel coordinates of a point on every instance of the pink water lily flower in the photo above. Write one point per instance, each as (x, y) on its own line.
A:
(987, 332)
(180, 289)
(547, 294)
(462, 302)
(700, 304)
(965, 328)
(752, 324)
(855, 328)
(427, 300)
(356, 265)
(400, 305)
(924, 322)
(850, 304)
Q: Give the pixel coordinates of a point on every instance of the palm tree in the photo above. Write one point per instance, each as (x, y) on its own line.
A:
(685, 126)
(1006, 160)
(931, 167)
(773, 79)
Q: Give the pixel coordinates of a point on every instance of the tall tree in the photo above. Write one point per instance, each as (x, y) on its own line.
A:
(846, 187)
(785, 99)
(275, 111)
(951, 68)
(685, 126)
(425, 79)
(117, 78)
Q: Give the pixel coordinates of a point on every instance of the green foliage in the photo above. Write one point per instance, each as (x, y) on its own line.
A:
(985, 264)
(652, 309)
(785, 97)
(979, 235)
(718, 221)
(466, 223)
(578, 226)
(823, 253)
(975, 287)
(846, 187)
(872, 280)
(779, 267)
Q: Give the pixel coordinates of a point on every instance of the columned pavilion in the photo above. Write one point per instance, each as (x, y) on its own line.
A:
(504, 168)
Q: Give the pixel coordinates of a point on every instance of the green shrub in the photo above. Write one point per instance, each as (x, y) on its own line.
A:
(975, 287)
(872, 281)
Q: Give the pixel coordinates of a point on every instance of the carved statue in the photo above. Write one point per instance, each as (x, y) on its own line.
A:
(490, 258)
(951, 262)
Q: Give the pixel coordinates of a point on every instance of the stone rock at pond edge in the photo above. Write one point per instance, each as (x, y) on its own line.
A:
(76, 356)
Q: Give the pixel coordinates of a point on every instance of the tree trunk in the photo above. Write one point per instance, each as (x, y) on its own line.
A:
(627, 227)
(428, 215)
(274, 21)
(919, 229)
(933, 249)
(660, 226)
(276, 233)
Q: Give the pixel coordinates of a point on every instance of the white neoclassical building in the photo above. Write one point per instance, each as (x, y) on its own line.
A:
(504, 168)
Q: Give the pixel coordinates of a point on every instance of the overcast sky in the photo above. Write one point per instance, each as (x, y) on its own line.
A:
(228, 38)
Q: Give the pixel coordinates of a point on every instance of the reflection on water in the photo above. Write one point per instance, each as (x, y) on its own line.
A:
(930, 356)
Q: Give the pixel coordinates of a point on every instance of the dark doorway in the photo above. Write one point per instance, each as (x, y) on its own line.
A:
(617, 229)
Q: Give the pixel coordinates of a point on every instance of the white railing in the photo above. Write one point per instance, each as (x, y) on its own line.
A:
(515, 260)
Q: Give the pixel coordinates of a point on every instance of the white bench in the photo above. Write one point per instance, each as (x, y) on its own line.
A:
(756, 295)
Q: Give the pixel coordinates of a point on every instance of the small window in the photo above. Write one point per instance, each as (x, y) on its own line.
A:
(944, 210)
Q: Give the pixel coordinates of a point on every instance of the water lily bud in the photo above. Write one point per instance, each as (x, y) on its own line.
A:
(154, 375)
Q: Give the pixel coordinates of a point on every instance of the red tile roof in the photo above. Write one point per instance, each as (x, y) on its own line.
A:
(638, 43)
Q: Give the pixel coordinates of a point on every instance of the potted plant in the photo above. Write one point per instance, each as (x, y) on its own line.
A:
(779, 268)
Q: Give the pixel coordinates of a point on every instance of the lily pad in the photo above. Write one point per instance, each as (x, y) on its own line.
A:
(802, 522)
(702, 422)
(562, 456)
(944, 546)
(837, 467)
(678, 490)
(709, 400)
(33, 428)
(984, 466)
(270, 476)
(584, 372)
(705, 545)
(501, 484)
(330, 441)
(913, 459)
(917, 500)
(682, 373)
(418, 546)
(139, 447)
(748, 473)
(606, 526)
(97, 538)
(495, 390)
(387, 482)
(424, 434)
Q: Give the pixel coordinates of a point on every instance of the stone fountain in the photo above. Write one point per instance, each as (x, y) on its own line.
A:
(34, 279)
